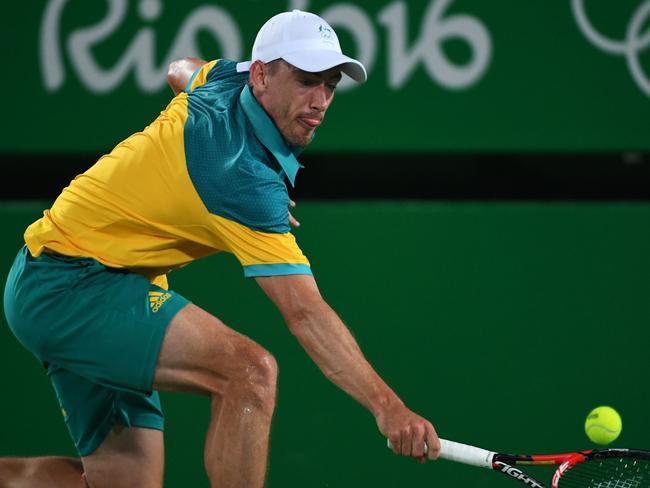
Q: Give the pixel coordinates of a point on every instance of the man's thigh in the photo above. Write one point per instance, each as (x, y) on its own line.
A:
(127, 458)
(201, 354)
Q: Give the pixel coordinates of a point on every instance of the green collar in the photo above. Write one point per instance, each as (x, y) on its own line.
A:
(268, 134)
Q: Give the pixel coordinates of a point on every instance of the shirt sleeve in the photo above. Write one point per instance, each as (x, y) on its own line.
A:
(201, 76)
(261, 253)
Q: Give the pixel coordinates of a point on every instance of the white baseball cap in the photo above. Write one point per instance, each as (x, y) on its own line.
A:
(305, 41)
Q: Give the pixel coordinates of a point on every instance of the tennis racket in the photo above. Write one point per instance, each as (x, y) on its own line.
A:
(596, 468)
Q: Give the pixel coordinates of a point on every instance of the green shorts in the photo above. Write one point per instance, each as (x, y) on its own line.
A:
(98, 331)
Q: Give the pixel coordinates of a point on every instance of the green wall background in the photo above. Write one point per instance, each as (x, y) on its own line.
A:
(539, 82)
(503, 323)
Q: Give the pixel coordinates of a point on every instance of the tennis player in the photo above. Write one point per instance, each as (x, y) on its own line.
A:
(88, 293)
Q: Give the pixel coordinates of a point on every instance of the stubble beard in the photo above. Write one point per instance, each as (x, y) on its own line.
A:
(293, 134)
(292, 131)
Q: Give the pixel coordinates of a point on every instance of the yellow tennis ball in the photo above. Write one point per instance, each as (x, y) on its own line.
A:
(603, 425)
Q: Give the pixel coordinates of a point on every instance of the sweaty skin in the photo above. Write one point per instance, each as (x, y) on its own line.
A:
(296, 100)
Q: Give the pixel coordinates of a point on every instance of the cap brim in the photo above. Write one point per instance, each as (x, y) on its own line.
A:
(315, 61)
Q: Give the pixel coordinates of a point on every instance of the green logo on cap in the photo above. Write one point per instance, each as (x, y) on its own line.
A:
(325, 32)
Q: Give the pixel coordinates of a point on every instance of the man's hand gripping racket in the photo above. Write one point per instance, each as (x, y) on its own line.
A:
(596, 468)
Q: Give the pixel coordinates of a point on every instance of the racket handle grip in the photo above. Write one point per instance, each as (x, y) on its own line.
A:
(466, 454)
(461, 453)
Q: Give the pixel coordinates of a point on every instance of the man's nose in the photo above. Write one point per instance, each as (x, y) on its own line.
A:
(320, 99)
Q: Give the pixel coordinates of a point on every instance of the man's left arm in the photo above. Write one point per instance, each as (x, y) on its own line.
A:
(180, 72)
(333, 348)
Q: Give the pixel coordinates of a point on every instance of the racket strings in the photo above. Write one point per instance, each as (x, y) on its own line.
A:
(608, 473)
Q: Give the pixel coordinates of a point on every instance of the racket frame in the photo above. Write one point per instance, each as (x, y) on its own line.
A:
(507, 463)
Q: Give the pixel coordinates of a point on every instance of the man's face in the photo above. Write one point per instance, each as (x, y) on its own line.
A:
(296, 100)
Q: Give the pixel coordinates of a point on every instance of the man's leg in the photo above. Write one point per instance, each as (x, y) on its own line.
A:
(36, 472)
(127, 458)
(201, 354)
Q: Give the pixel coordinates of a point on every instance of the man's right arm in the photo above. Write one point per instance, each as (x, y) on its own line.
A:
(333, 348)
(180, 72)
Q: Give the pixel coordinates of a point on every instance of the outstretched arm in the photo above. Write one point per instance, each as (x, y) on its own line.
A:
(180, 72)
(333, 348)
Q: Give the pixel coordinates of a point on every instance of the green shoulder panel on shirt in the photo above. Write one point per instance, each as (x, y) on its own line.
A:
(236, 157)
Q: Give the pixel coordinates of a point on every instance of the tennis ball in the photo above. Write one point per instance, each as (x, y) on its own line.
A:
(603, 425)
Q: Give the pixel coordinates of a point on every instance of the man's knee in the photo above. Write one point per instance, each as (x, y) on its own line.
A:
(256, 380)
(261, 368)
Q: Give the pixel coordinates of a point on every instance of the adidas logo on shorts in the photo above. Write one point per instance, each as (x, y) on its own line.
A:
(157, 298)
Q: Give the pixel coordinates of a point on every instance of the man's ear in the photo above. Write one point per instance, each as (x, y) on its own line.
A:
(257, 75)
